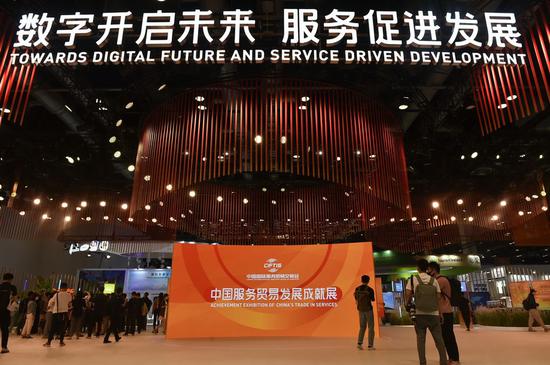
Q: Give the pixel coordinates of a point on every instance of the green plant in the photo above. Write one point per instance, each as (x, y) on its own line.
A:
(42, 284)
(506, 317)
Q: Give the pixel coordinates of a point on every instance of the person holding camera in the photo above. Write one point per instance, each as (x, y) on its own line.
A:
(422, 297)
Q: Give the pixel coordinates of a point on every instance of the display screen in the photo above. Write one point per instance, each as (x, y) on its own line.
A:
(234, 291)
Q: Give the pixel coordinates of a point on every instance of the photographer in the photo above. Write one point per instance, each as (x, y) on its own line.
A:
(422, 297)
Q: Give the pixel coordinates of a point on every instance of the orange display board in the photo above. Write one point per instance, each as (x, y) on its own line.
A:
(250, 291)
(520, 290)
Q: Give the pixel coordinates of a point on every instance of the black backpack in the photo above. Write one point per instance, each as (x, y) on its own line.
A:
(456, 291)
(525, 304)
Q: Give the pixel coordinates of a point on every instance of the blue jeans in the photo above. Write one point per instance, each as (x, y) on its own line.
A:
(366, 318)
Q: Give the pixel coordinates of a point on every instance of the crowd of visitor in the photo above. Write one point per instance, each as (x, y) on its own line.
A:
(62, 315)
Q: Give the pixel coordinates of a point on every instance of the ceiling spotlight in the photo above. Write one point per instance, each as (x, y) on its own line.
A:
(154, 220)
(358, 152)
(83, 204)
(502, 106)
(392, 220)
(453, 218)
(102, 203)
(435, 204)
(129, 105)
(78, 209)
(498, 157)
(219, 198)
(130, 219)
(470, 219)
(462, 157)
(199, 98)
(68, 108)
(283, 140)
(413, 219)
(5, 110)
(305, 99)
(474, 155)
(67, 218)
(118, 123)
(403, 107)
(512, 97)
(503, 203)
(88, 219)
(258, 139)
(44, 216)
(543, 193)
(147, 207)
(338, 158)
(131, 168)
(106, 217)
(22, 212)
(541, 157)
(169, 187)
(528, 198)
(544, 208)
(70, 159)
(245, 201)
(202, 107)
(521, 212)
(264, 189)
(274, 202)
(302, 107)
(117, 154)
(460, 202)
(535, 196)
(162, 87)
(192, 193)
(124, 206)
(36, 201)
(494, 218)
(64, 205)
(112, 139)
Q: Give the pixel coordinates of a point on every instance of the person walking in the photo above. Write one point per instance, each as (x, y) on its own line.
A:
(133, 310)
(465, 308)
(99, 314)
(145, 311)
(364, 297)
(115, 313)
(446, 312)
(530, 304)
(77, 316)
(422, 296)
(29, 315)
(60, 303)
(7, 292)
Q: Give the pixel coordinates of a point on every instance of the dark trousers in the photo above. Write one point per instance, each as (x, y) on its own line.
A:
(113, 328)
(58, 326)
(466, 315)
(366, 319)
(96, 321)
(142, 323)
(447, 327)
(5, 319)
(424, 322)
(131, 324)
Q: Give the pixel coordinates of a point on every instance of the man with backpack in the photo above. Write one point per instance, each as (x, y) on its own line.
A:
(446, 311)
(364, 297)
(425, 292)
(531, 305)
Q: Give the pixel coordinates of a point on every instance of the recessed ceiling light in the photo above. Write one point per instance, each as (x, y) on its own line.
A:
(502, 106)
(22, 212)
(192, 193)
(147, 207)
(102, 203)
(453, 218)
(83, 204)
(403, 107)
(474, 155)
(199, 98)
(117, 154)
(512, 97)
(503, 203)
(112, 139)
(498, 157)
(118, 123)
(460, 202)
(462, 157)
(162, 87)
(470, 219)
(36, 201)
(64, 205)
(68, 108)
(131, 168)
(44, 216)
(202, 107)
(521, 212)
(435, 204)
(258, 139)
(124, 206)
(5, 110)
(129, 105)
(219, 198)
(169, 187)
(70, 159)
(305, 99)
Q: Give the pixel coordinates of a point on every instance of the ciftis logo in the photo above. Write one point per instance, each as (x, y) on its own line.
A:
(273, 265)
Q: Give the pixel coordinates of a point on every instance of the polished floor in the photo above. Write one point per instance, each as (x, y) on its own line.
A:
(397, 346)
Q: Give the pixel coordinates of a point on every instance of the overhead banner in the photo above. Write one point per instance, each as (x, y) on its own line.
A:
(254, 291)
(520, 290)
(308, 36)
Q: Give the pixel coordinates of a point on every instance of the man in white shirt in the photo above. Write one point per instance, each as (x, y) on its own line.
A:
(60, 304)
(425, 291)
